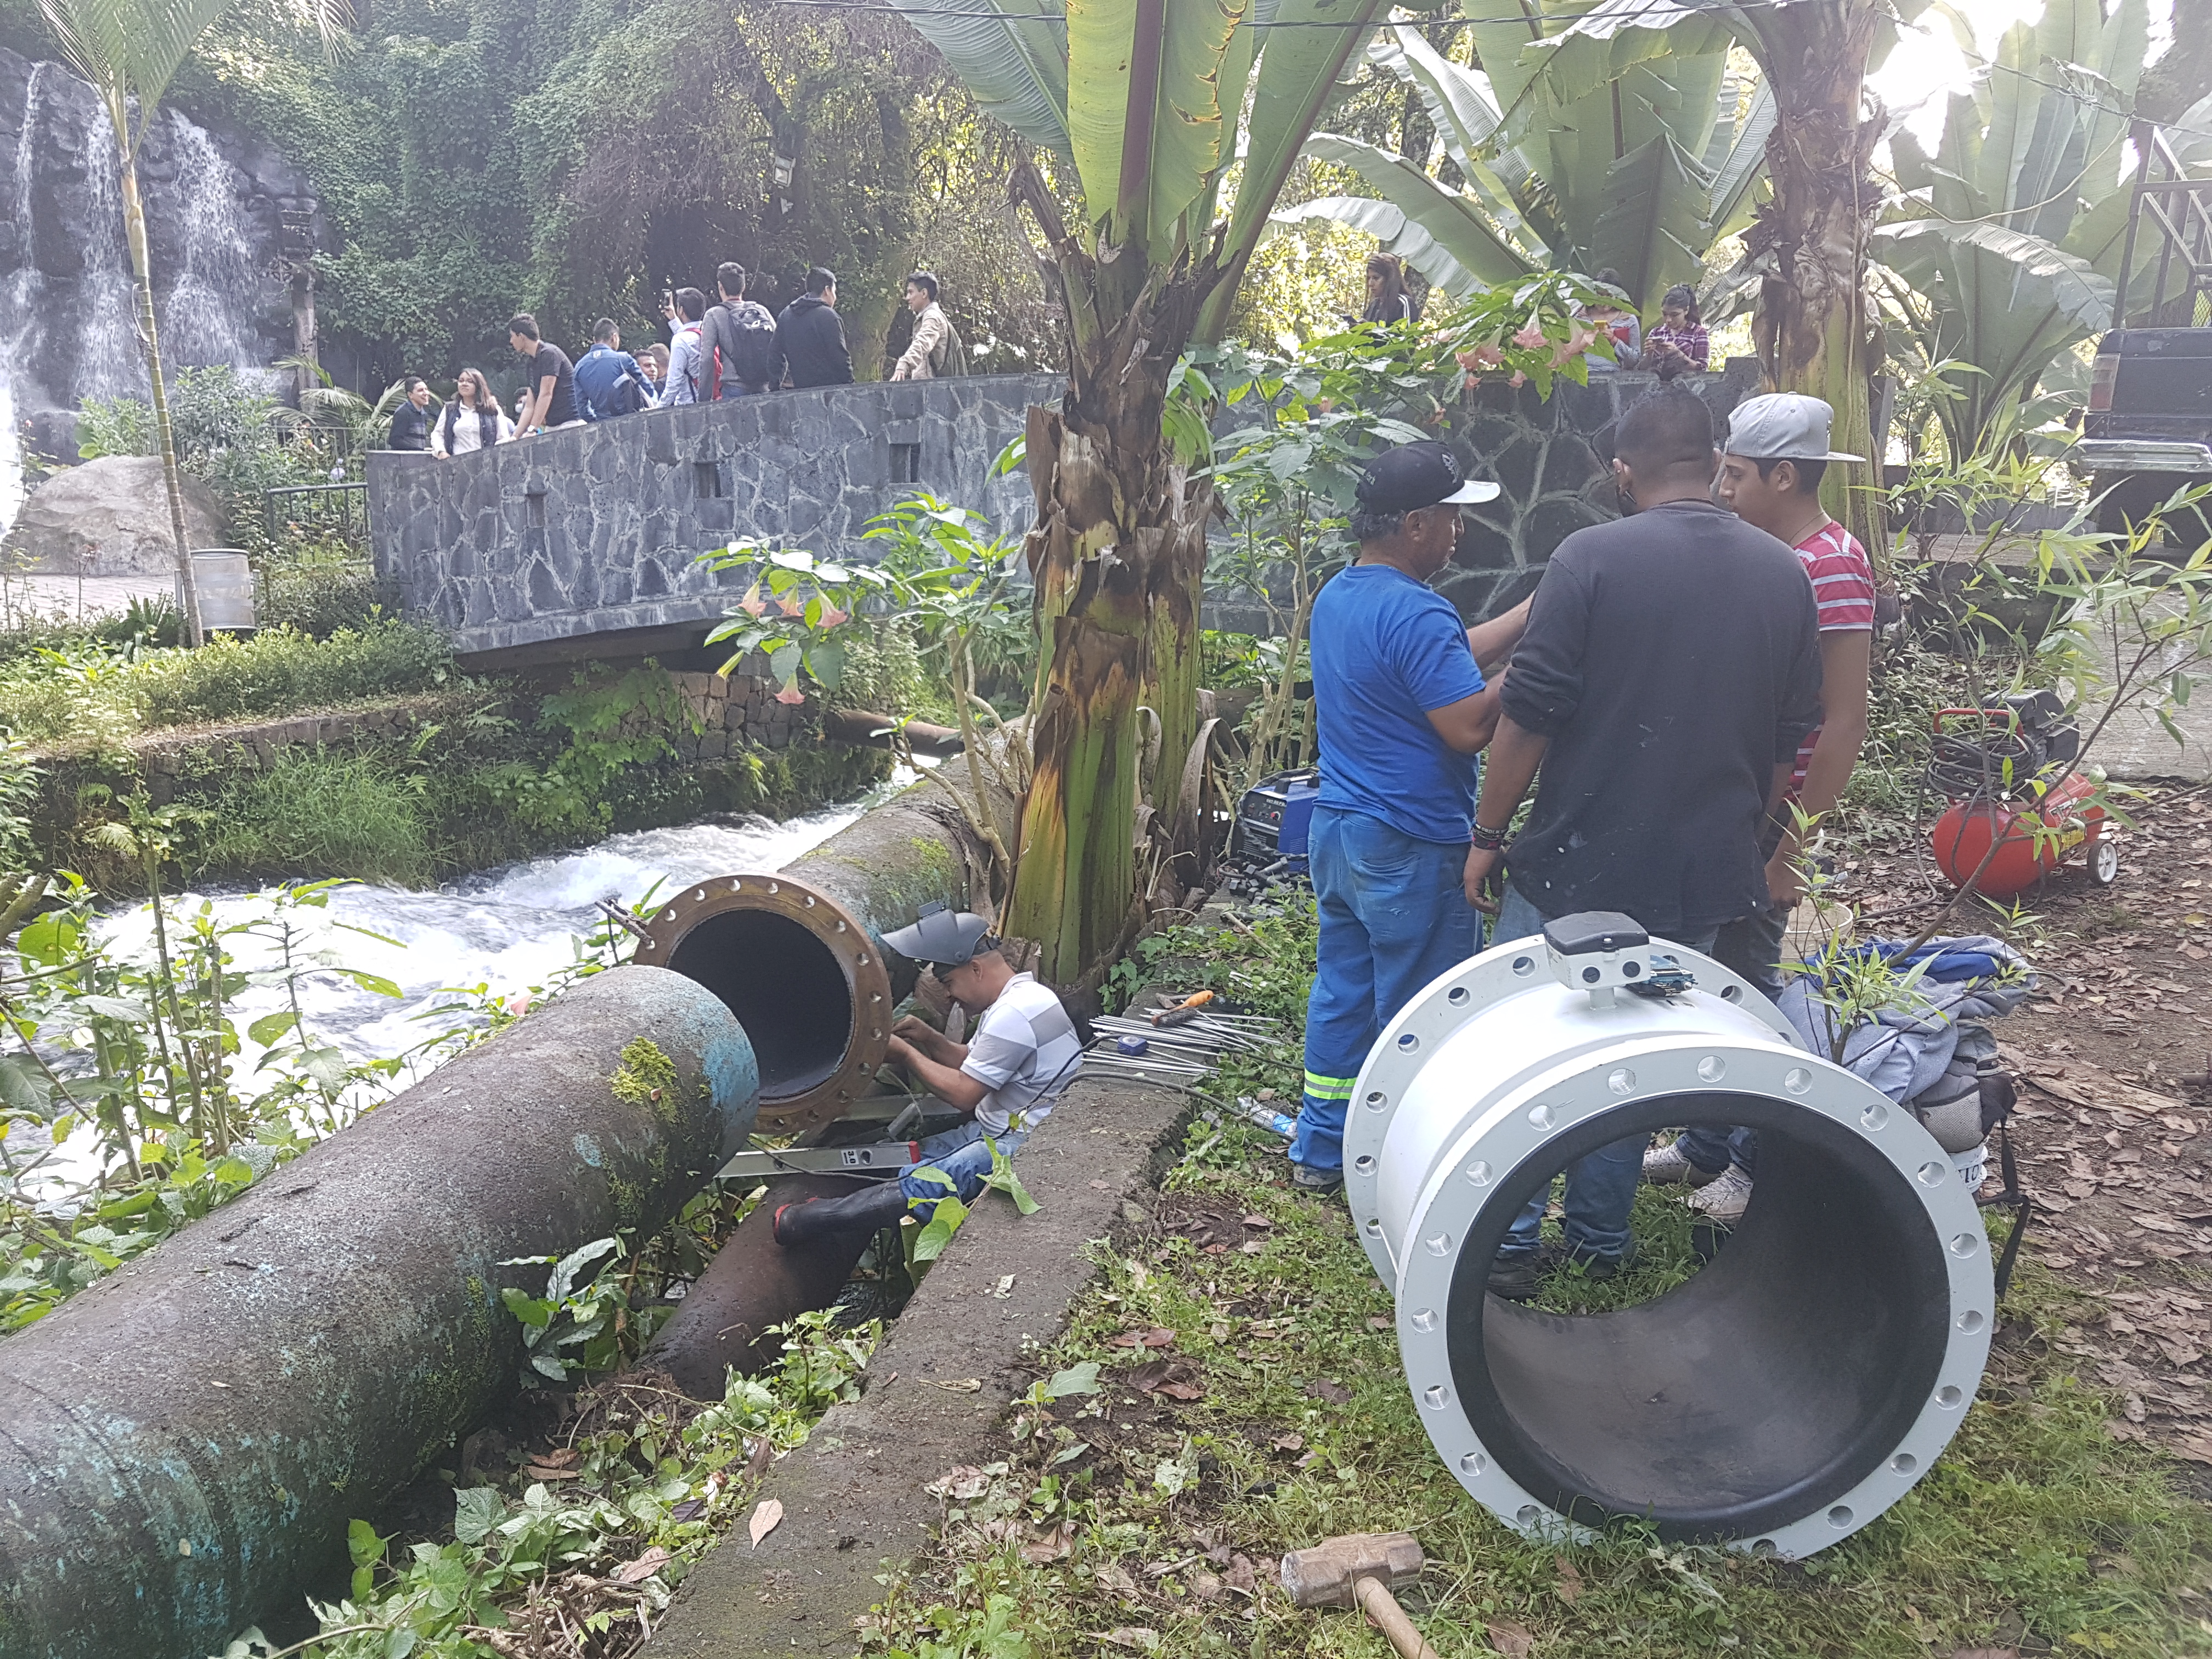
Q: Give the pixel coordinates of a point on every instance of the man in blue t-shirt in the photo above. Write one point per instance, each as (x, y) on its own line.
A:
(1403, 710)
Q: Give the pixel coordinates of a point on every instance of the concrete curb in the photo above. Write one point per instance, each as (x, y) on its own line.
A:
(853, 1498)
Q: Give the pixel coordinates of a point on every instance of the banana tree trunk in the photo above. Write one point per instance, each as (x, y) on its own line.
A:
(142, 268)
(1116, 557)
(1811, 326)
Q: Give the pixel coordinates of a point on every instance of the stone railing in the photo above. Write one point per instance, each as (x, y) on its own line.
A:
(593, 530)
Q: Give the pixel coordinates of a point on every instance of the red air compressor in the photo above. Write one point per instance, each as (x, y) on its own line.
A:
(2007, 773)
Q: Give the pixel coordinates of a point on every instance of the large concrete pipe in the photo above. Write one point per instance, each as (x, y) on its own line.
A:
(182, 1445)
(797, 956)
(1778, 1400)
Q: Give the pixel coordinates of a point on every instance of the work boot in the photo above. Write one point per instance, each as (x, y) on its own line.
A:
(818, 1218)
(1597, 1269)
(1516, 1278)
(1307, 1178)
(1724, 1199)
(1669, 1166)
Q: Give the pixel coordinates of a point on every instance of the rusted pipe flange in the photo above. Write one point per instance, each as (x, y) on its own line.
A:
(794, 965)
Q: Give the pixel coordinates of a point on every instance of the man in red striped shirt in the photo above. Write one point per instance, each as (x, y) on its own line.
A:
(1771, 471)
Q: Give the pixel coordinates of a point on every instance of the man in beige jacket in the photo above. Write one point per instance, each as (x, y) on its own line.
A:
(935, 350)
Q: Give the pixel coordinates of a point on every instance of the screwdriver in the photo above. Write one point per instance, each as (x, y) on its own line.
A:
(1184, 1011)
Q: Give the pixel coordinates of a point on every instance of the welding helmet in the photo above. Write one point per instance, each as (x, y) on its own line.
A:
(942, 938)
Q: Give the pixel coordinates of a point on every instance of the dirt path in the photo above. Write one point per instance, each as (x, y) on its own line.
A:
(2114, 1129)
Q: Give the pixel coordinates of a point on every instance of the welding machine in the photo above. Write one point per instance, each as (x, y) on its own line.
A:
(1272, 820)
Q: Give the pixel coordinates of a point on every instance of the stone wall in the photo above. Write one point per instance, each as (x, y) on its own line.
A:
(593, 530)
(1554, 457)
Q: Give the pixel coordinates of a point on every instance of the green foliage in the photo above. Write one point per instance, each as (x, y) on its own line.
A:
(322, 809)
(1640, 171)
(237, 441)
(656, 1488)
(89, 693)
(572, 160)
(2001, 248)
(133, 1054)
(610, 731)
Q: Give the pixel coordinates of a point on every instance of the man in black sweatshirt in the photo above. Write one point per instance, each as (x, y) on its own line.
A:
(812, 336)
(1670, 669)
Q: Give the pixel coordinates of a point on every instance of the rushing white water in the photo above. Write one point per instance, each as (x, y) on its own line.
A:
(505, 930)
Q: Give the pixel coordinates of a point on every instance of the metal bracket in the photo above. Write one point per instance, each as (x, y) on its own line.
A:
(884, 1157)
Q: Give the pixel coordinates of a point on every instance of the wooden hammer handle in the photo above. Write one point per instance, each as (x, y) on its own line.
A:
(1383, 1612)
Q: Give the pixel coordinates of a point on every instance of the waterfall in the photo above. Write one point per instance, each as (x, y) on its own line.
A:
(70, 328)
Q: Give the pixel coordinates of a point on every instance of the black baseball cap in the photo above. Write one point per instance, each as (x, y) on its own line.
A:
(1415, 476)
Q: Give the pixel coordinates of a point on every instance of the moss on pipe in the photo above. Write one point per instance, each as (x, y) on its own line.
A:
(183, 1444)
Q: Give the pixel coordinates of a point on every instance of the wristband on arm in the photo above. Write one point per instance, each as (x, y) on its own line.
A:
(1489, 841)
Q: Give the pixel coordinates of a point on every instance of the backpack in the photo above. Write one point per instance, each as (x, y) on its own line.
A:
(737, 344)
(626, 397)
(948, 358)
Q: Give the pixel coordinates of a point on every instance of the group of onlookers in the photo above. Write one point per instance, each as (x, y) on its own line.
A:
(733, 348)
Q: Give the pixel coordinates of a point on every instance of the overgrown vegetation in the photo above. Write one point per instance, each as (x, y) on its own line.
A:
(582, 1542)
(89, 693)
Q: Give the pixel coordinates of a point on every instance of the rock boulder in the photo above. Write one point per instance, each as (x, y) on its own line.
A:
(110, 517)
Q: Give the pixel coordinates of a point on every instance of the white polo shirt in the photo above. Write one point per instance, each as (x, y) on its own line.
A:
(1024, 1051)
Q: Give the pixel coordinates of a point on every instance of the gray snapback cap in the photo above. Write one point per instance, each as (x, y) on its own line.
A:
(1784, 426)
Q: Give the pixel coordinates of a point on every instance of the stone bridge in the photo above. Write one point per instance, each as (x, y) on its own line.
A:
(589, 533)
(593, 531)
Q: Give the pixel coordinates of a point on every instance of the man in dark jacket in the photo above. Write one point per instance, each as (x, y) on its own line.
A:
(812, 336)
(410, 422)
(609, 382)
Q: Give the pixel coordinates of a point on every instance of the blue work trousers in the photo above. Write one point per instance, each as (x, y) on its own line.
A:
(1601, 1185)
(963, 1156)
(1394, 916)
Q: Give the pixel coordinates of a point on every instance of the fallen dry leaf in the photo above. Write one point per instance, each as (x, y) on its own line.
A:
(960, 1483)
(1379, 1321)
(1510, 1639)
(1570, 1586)
(1291, 1442)
(1181, 1390)
(561, 1457)
(1139, 1637)
(689, 1509)
(764, 1451)
(539, 1472)
(766, 1517)
(1054, 1546)
(1984, 1653)
(1158, 1337)
(1258, 1221)
(1204, 1586)
(1116, 1577)
(957, 1385)
(1240, 1577)
(1333, 1394)
(632, 1573)
(1252, 1247)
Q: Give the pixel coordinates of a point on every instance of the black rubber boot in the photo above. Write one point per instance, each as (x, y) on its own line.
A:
(862, 1212)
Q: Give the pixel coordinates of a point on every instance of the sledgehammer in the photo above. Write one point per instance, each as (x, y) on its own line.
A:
(1358, 1571)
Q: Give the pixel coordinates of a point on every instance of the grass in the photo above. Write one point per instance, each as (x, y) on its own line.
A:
(2035, 1532)
(1125, 1522)
(322, 811)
